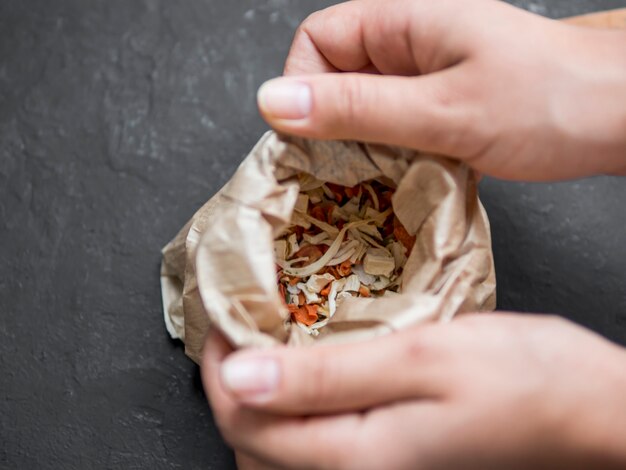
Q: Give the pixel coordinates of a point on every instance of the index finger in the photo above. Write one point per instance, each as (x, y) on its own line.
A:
(374, 36)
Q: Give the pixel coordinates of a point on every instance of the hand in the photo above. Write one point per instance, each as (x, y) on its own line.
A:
(515, 95)
(484, 391)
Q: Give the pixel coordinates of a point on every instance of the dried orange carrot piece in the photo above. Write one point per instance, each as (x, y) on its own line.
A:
(337, 190)
(301, 298)
(325, 291)
(313, 252)
(318, 212)
(283, 294)
(364, 291)
(353, 191)
(328, 210)
(403, 236)
(307, 314)
(330, 270)
(384, 200)
(345, 268)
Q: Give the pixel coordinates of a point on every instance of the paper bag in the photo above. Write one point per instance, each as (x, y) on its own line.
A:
(220, 268)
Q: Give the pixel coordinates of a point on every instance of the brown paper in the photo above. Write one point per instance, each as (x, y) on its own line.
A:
(220, 268)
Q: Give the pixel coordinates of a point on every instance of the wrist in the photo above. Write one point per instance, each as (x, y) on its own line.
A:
(592, 108)
(597, 431)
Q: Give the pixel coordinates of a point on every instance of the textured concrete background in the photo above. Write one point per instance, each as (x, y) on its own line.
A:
(117, 120)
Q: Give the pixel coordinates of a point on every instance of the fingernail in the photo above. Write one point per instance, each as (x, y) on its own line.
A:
(250, 378)
(285, 98)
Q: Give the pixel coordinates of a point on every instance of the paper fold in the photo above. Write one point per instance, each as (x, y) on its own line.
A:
(220, 267)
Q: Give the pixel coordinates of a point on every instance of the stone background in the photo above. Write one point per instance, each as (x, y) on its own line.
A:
(118, 119)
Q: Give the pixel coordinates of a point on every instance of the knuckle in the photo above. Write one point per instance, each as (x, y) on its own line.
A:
(320, 387)
(415, 345)
(350, 100)
(307, 25)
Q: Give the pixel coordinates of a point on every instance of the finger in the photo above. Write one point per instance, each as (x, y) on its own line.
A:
(334, 378)
(325, 442)
(214, 351)
(247, 462)
(290, 442)
(400, 37)
(429, 112)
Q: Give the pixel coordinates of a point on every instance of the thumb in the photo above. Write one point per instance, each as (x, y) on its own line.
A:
(337, 378)
(416, 112)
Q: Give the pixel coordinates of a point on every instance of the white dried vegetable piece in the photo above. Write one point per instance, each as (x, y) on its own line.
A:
(371, 213)
(329, 194)
(310, 297)
(378, 262)
(293, 289)
(316, 239)
(370, 190)
(316, 195)
(292, 244)
(351, 207)
(377, 217)
(297, 218)
(382, 282)
(398, 252)
(316, 326)
(302, 203)
(371, 231)
(358, 253)
(307, 329)
(396, 281)
(292, 295)
(345, 252)
(364, 278)
(318, 223)
(292, 299)
(352, 284)
(341, 296)
(318, 281)
(323, 311)
(337, 214)
(335, 288)
(280, 249)
(366, 239)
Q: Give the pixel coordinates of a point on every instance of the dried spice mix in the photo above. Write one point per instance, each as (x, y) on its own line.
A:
(342, 242)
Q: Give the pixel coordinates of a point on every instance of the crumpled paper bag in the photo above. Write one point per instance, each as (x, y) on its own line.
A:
(220, 267)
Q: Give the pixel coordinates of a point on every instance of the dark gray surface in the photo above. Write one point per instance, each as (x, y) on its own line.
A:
(117, 120)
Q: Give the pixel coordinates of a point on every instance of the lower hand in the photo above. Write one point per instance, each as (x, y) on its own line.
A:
(484, 391)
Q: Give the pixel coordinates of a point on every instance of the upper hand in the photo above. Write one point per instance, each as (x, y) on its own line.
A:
(515, 95)
(485, 391)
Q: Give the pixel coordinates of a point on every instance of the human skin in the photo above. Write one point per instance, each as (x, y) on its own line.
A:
(515, 96)
(484, 391)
